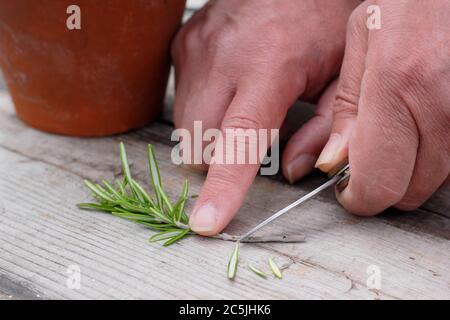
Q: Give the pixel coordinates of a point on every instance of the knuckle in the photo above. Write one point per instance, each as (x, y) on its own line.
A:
(345, 106)
(222, 179)
(413, 81)
(218, 37)
(185, 43)
(399, 71)
(242, 121)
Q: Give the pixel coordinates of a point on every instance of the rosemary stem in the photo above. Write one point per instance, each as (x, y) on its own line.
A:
(266, 239)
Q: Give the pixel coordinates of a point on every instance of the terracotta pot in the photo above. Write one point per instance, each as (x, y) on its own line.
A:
(106, 78)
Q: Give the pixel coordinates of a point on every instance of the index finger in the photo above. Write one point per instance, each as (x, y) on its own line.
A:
(255, 108)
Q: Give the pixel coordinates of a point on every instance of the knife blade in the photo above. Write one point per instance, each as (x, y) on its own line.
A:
(339, 178)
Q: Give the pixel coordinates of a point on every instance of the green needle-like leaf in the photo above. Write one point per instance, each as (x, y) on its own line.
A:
(133, 217)
(156, 225)
(141, 191)
(111, 189)
(121, 187)
(124, 161)
(168, 234)
(233, 263)
(154, 174)
(177, 238)
(257, 271)
(179, 207)
(95, 206)
(177, 213)
(165, 199)
(98, 192)
(275, 270)
(127, 172)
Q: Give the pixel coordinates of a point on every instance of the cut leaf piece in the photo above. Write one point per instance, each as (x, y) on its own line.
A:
(233, 263)
(257, 271)
(275, 270)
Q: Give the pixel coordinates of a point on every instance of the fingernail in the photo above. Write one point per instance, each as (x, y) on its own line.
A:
(325, 161)
(204, 219)
(300, 167)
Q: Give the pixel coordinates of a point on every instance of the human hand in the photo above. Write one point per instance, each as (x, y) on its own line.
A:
(242, 64)
(392, 110)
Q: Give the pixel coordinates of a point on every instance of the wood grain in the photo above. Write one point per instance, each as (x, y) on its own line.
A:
(42, 233)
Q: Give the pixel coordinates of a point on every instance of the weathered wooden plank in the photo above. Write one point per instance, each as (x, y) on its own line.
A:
(440, 202)
(42, 233)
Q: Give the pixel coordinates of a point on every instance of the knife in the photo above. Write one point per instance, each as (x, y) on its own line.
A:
(338, 178)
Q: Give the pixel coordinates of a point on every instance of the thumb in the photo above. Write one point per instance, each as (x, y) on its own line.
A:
(345, 107)
(254, 108)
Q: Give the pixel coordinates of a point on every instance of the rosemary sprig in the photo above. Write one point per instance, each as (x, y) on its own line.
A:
(127, 199)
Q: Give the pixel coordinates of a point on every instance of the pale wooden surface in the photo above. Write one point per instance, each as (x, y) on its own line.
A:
(42, 233)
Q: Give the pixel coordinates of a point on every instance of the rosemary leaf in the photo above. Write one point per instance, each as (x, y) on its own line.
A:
(104, 191)
(156, 225)
(184, 218)
(121, 187)
(165, 235)
(133, 217)
(95, 206)
(177, 238)
(165, 198)
(98, 192)
(161, 216)
(178, 214)
(154, 174)
(131, 207)
(127, 173)
(111, 189)
(257, 271)
(142, 192)
(233, 263)
(177, 210)
(275, 270)
(124, 161)
(184, 194)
